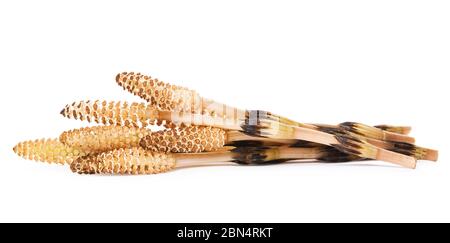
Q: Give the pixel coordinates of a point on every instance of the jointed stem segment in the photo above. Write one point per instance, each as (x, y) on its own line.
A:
(203, 131)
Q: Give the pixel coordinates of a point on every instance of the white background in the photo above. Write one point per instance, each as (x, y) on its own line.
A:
(314, 61)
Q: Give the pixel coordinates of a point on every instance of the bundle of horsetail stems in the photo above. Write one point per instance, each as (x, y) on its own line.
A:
(194, 131)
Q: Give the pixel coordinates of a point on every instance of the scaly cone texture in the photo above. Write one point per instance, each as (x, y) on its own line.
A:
(113, 113)
(193, 139)
(48, 150)
(119, 147)
(159, 94)
(124, 161)
(171, 97)
(103, 138)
